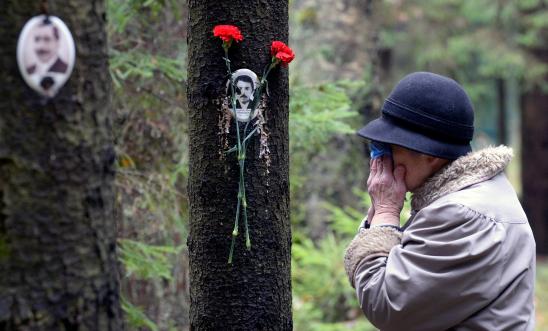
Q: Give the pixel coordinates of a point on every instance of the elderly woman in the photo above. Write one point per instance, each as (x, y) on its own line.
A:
(465, 260)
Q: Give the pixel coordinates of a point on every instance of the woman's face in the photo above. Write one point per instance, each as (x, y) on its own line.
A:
(418, 167)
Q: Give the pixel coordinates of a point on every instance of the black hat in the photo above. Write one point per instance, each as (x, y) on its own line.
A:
(428, 113)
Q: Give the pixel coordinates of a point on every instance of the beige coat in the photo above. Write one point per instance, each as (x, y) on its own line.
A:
(465, 260)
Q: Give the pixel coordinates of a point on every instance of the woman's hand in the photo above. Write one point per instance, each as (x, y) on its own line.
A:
(387, 190)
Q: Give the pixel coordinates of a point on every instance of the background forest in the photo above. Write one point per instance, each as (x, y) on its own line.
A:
(349, 55)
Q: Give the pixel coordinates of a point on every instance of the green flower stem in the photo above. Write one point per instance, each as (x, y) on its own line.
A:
(235, 147)
(244, 203)
(258, 93)
(232, 97)
(249, 135)
(241, 148)
(234, 232)
(247, 239)
(231, 249)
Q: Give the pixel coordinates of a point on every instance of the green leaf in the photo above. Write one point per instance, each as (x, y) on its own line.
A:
(136, 317)
(147, 261)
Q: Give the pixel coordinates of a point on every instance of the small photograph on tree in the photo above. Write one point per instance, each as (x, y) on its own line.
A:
(245, 82)
(45, 54)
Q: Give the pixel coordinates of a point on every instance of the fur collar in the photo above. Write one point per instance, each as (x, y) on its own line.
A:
(475, 167)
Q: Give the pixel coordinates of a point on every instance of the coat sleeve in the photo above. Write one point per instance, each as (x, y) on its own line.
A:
(442, 272)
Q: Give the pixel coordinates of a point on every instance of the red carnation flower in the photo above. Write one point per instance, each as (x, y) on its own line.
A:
(283, 53)
(285, 58)
(228, 33)
(277, 46)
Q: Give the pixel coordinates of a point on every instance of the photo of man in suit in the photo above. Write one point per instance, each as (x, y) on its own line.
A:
(45, 54)
(245, 82)
(46, 47)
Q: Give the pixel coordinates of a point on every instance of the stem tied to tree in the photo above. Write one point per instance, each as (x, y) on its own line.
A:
(281, 54)
(240, 149)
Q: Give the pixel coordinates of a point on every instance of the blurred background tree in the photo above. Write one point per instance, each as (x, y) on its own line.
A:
(58, 258)
(349, 55)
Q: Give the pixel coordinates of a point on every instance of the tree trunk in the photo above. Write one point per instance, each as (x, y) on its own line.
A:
(58, 265)
(254, 292)
(501, 103)
(534, 161)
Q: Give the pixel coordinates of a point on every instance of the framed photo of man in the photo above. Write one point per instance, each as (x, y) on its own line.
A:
(245, 82)
(45, 54)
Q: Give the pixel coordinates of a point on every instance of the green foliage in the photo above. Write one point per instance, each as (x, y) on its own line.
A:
(318, 112)
(156, 198)
(123, 12)
(136, 317)
(345, 220)
(322, 297)
(320, 286)
(147, 261)
(138, 65)
(473, 41)
(319, 274)
(479, 43)
(148, 68)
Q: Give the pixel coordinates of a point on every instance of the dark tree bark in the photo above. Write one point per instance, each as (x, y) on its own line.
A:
(501, 103)
(254, 292)
(534, 161)
(58, 266)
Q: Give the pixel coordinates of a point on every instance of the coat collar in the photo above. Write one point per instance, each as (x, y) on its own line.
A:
(473, 168)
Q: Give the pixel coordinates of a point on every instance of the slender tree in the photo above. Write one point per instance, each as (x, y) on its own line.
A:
(501, 116)
(534, 124)
(534, 138)
(254, 291)
(58, 265)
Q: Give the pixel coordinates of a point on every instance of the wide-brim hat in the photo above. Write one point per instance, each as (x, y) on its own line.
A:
(427, 113)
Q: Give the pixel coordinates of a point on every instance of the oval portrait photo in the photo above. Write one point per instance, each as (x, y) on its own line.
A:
(245, 83)
(45, 54)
